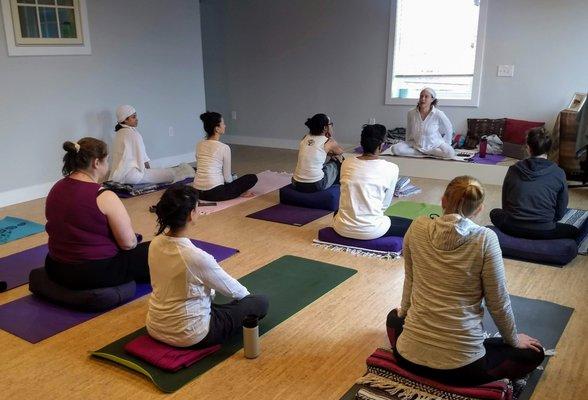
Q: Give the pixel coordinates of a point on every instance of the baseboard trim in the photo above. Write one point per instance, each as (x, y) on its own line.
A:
(28, 193)
(275, 143)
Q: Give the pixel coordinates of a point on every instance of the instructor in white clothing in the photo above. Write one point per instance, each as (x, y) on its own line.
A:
(130, 163)
(428, 130)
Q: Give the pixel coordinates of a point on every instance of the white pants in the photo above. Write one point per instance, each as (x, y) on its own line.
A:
(150, 175)
(442, 151)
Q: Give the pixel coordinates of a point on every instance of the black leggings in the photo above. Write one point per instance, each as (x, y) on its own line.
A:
(229, 191)
(398, 226)
(500, 361)
(561, 231)
(126, 266)
(226, 320)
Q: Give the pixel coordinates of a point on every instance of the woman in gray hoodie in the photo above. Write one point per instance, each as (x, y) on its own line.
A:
(534, 195)
(451, 265)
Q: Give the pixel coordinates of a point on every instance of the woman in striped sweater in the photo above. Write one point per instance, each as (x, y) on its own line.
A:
(451, 265)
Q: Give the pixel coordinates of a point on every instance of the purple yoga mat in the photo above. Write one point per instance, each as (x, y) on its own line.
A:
(291, 215)
(490, 159)
(34, 319)
(15, 268)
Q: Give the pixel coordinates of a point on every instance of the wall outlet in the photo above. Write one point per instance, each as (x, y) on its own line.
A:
(372, 121)
(506, 70)
(170, 131)
(233, 114)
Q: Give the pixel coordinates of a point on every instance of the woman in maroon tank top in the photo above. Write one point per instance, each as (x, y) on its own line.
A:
(92, 243)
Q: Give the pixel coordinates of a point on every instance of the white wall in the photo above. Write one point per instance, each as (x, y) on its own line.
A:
(147, 53)
(277, 62)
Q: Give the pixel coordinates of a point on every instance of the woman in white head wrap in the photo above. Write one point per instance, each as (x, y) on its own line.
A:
(130, 163)
(428, 131)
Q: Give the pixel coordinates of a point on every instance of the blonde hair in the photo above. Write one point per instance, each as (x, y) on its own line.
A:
(463, 196)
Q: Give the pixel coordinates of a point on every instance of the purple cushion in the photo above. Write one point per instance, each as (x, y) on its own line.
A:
(386, 243)
(551, 252)
(323, 200)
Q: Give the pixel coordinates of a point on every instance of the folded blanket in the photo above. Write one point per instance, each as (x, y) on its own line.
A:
(166, 357)
(124, 190)
(386, 380)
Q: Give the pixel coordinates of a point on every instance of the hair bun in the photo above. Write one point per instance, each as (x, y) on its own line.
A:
(69, 146)
(308, 123)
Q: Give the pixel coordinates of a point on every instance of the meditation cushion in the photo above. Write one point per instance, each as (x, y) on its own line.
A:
(164, 356)
(85, 300)
(324, 200)
(552, 252)
(383, 373)
(386, 243)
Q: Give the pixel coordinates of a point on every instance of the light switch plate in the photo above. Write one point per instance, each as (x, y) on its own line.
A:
(506, 70)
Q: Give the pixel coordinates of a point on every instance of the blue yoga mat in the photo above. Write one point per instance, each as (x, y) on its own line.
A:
(12, 228)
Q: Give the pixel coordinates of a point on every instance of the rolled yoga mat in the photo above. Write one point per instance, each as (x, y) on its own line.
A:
(291, 283)
(12, 228)
(34, 319)
(289, 215)
(540, 319)
(15, 268)
(412, 210)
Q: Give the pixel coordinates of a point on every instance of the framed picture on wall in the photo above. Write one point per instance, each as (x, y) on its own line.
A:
(577, 102)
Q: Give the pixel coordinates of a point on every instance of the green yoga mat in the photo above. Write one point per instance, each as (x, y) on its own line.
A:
(291, 283)
(411, 210)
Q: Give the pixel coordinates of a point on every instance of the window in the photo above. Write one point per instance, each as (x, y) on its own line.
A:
(438, 44)
(46, 27)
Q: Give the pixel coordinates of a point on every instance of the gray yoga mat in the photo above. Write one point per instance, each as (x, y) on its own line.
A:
(543, 320)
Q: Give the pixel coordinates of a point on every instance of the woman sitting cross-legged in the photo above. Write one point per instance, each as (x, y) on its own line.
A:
(367, 188)
(452, 265)
(534, 195)
(92, 243)
(214, 180)
(313, 172)
(428, 130)
(185, 278)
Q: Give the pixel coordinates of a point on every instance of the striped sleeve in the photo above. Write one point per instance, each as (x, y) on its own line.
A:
(495, 291)
(407, 289)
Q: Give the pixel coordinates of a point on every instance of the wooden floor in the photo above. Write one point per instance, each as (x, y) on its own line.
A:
(315, 354)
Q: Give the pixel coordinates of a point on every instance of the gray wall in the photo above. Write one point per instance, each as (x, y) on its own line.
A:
(147, 53)
(276, 62)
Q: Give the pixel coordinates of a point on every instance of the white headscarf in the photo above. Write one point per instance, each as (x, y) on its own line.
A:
(123, 112)
(431, 92)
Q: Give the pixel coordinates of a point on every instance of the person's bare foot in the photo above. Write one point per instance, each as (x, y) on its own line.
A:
(248, 194)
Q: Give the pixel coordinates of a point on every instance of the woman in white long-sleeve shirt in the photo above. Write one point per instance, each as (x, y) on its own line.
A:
(214, 180)
(185, 278)
(451, 266)
(428, 130)
(367, 187)
(130, 163)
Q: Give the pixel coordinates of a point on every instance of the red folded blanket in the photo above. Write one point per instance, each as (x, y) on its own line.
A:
(164, 356)
(383, 359)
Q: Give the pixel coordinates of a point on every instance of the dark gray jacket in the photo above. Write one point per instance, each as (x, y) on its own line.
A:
(535, 193)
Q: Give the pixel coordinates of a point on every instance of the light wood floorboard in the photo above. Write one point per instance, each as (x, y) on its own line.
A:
(317, 353)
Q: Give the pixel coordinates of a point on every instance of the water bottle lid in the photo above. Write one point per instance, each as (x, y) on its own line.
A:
(250, 321)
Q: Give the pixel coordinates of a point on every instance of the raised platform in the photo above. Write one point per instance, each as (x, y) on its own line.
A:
(447, 170)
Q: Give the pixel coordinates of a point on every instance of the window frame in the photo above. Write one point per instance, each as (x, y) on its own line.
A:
(474, 101)
(18, 46)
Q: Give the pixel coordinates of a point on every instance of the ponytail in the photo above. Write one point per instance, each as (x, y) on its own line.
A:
(174, 207)
(463, 196)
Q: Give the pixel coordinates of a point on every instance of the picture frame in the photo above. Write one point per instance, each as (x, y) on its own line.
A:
(577, 101)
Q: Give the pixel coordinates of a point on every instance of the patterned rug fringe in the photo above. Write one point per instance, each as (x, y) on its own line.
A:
(394, 388)
(357, 251)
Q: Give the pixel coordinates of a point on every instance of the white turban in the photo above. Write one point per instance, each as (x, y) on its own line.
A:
(124, 112)
(431, 92)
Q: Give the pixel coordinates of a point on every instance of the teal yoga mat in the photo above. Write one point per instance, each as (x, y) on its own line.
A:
(12, 228)
(291, 283)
